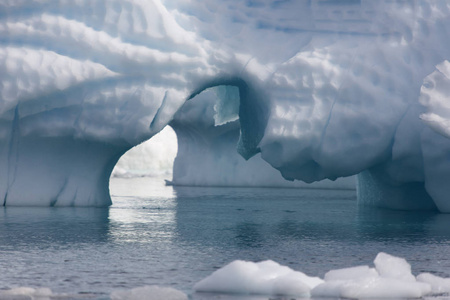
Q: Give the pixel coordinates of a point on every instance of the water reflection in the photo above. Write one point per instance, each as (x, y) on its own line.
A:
(175, 236)
(52, 226)
(404, 226)
(224, 217)
(248, 235)
(248, 216)
(309, 230)
(143, 211)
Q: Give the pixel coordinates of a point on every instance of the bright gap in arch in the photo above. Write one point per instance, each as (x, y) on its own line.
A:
(152, 158)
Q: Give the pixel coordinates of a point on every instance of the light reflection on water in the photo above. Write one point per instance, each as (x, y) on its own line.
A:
(168, 236)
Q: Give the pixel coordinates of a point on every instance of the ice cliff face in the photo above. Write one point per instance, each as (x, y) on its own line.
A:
(325, 89)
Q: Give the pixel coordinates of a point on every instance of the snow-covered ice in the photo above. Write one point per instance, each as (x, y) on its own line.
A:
(312, 89)
(390, 279)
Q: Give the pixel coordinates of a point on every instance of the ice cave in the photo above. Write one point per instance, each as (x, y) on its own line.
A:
(304, 90)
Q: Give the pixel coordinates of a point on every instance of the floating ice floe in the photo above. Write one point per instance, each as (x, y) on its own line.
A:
(27, 292)
(390, 278)
(266, 277)
(152, 292)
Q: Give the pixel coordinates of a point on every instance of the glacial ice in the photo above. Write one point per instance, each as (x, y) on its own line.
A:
(321, 89)
(390, 279)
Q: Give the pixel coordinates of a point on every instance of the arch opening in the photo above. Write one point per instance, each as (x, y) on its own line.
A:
(153, 158)
(212, 141)
(218, 132)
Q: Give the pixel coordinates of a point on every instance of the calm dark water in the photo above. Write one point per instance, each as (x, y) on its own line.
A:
(158, 235)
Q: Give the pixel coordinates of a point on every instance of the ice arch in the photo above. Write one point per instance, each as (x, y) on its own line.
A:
(328, 89)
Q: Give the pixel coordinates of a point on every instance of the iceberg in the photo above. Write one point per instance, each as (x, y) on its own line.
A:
(309, 90)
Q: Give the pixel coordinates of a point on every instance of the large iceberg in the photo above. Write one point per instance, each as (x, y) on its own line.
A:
(318, 89)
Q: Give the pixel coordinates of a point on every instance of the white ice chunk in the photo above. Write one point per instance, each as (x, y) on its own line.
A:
(438, 284)
(375, 287)
(149, 293)
(34, 293)
(391, 279)
(267, 277)
(361, 282)
(389, 266)
(355, 273)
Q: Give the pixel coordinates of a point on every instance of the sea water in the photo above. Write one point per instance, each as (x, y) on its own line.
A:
(175, 236)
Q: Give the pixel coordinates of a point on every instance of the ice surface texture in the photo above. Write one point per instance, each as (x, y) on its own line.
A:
(326, 89)
(391, 278)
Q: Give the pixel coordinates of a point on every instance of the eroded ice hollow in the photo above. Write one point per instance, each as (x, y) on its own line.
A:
(327, 89)
(203, 151)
